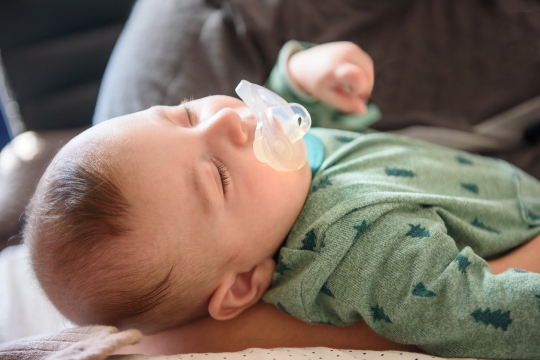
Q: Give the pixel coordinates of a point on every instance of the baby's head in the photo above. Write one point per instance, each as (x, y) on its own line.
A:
(157, 218)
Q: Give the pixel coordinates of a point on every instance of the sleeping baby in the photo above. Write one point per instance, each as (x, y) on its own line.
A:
(158, 218)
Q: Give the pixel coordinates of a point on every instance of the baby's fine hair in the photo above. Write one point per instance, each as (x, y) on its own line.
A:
(78, 230)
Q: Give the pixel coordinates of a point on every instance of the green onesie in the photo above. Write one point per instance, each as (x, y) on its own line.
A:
(395, 231)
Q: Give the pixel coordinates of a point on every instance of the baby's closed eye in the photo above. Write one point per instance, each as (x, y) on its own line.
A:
(223, 174)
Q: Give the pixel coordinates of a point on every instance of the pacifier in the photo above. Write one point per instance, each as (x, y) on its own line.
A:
(280, 127)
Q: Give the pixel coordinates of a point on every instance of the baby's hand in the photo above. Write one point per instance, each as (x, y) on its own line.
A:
(339, 73)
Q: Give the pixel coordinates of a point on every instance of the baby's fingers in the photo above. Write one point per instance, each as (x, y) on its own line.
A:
(354, 78)
(343, 99)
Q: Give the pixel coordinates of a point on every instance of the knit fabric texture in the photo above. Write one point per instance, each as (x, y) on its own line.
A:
(395, 232)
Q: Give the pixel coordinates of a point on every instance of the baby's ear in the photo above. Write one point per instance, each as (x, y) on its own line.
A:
(238, 292)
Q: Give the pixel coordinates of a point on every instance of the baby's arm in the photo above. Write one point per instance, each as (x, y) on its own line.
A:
(449, 302)
(525, 257)
(332, 81)
(338, 73)
(405, 276)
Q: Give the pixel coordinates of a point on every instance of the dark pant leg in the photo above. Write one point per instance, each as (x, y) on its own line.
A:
(446, 63)
(171, 50)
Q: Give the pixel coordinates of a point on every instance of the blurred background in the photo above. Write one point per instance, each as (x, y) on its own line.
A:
(54, 53)
(52, 57)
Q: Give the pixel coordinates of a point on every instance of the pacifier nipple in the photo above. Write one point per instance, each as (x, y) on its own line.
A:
(280, 127)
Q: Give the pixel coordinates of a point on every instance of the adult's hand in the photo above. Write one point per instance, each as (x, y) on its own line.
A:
(524, 257)
(262, 326)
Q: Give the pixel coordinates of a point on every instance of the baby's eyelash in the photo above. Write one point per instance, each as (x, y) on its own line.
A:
(223, 174)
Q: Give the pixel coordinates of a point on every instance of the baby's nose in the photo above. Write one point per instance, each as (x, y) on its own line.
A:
(228, 123)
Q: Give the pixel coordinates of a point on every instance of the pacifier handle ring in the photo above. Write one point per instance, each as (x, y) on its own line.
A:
(277, 136)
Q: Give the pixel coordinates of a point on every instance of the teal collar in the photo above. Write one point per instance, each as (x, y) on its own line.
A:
(315, 152)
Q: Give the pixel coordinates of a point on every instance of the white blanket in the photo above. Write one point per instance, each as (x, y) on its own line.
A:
(318, 353)
(24, 309)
